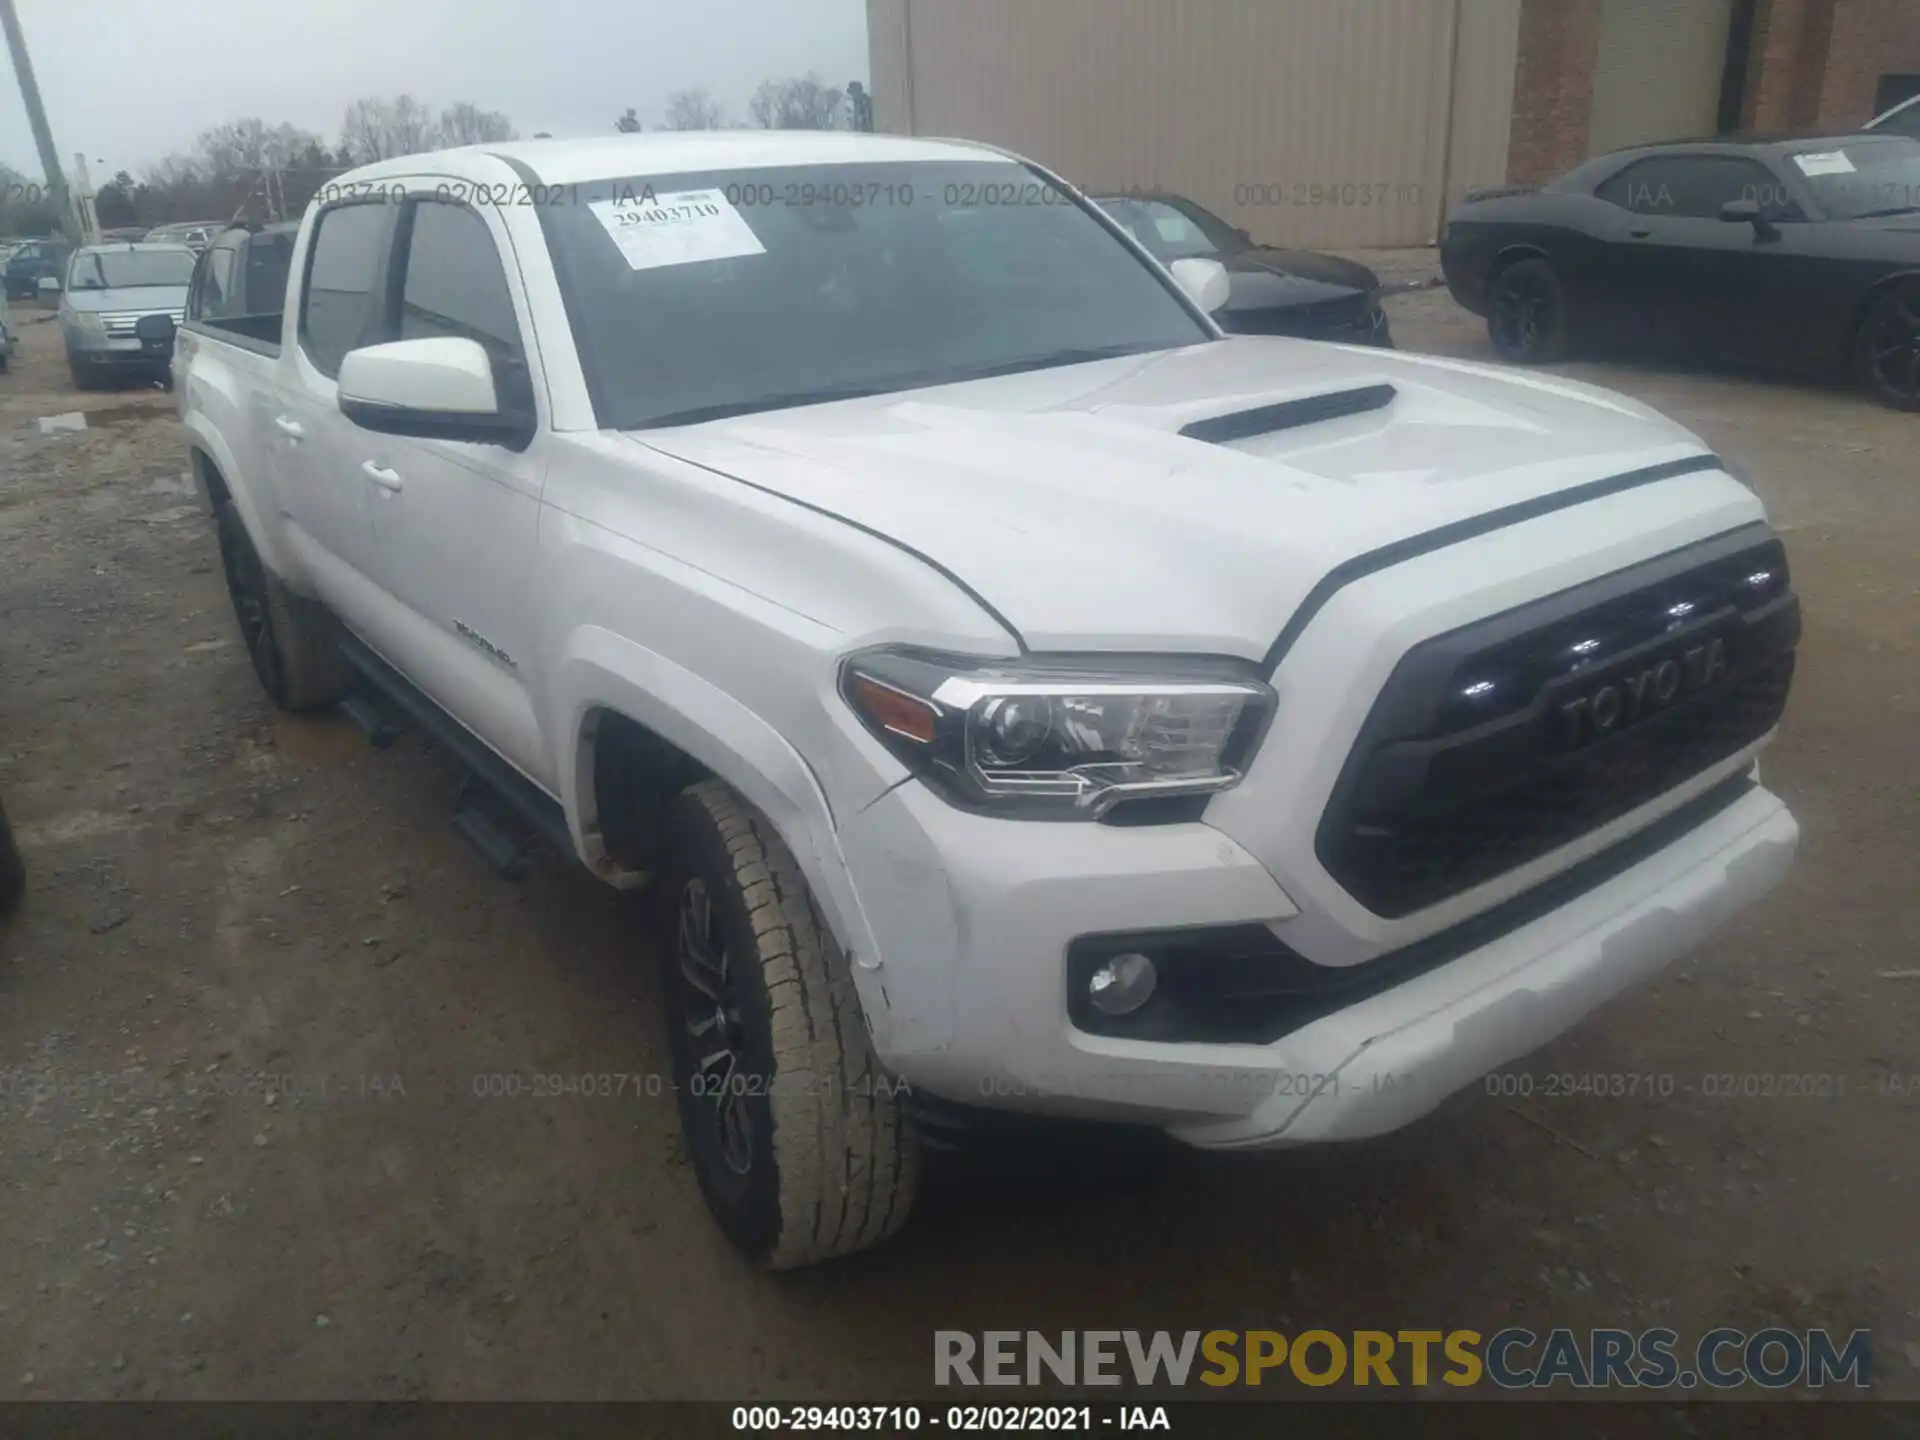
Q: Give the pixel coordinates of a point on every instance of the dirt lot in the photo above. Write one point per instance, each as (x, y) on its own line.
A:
(219, 892)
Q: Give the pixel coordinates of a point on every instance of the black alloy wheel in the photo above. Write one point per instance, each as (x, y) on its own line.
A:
(1888, 349)
(1527, 313)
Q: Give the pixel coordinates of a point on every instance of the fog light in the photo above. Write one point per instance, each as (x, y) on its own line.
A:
(1122, 985)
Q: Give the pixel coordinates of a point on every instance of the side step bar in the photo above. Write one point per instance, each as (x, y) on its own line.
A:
(539, 810)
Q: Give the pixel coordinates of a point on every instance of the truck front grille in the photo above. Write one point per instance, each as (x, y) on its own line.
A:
(1497, 743)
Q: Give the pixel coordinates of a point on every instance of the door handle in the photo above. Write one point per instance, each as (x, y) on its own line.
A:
(289, 427)
(388, 480)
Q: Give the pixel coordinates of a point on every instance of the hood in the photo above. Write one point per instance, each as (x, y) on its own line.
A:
(143, 298)
(1069, 500)
(1266, 279)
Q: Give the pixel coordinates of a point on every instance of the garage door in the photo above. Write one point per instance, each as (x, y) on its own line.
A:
(1659, 70)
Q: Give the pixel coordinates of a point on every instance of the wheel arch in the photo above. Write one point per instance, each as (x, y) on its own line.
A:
(1858, 315)
(639, 728)
(220, 481)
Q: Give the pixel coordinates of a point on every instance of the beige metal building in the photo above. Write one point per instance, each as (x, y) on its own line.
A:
(1359, 122)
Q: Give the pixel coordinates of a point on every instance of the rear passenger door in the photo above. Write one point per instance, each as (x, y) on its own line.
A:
(456, 523)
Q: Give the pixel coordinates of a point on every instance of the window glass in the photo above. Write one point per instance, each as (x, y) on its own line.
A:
(1169, 233)
(454, 282)
(1693, 186)
(758, 289)
(1857, 178)
(340, 278)
(264, 291)
(213, 287)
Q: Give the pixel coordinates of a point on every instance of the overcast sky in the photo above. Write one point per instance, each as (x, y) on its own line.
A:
(128, 81)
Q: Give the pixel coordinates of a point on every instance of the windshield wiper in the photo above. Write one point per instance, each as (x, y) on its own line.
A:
(787, 401)
(953, 376)
(1890, 210)
(1049, 361)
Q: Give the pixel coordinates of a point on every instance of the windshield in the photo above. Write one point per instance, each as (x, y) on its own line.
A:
(1864, 177)
(131, 269)
(699, 295)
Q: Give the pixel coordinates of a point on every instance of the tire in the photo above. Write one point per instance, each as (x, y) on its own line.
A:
(85, 377)
(797, 1137)
(1886, 350)
(13, 870)
(1527, 313)
(289, 638)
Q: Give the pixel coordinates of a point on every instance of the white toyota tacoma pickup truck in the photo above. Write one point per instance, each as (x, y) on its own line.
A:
(1022, 697)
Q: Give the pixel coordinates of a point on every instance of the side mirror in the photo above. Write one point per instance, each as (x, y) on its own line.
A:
(1206, 281)
(437, 389)
(1749, 212)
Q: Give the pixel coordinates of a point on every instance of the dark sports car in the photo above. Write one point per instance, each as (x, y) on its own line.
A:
(1275, 292)
(1799, 255)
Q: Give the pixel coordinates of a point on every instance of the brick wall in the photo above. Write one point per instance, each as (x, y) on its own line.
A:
(1553, 88)
(1869, 38)
(1817, 63)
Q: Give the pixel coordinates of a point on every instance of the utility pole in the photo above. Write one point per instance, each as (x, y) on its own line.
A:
(37, 117)
(83, 192)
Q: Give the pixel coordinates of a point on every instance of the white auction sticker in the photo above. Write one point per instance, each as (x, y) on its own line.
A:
(681, 228)
(1824, 162)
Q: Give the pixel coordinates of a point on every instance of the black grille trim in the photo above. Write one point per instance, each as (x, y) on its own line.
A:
(1447, 788)
(1400, 551)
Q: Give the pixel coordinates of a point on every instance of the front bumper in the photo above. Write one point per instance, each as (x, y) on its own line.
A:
(973, 916)
(104, 352)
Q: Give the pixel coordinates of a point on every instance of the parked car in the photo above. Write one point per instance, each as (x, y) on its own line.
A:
(109, 289)
(1275, 292)
(1902, 119)
(1797, 255)
(1028, 701)
(7, 338)
(194, 234)
(33, 261)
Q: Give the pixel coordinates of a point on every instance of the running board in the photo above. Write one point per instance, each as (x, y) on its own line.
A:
(529, 803)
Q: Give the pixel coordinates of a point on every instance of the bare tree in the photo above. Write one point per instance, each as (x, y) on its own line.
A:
(692, 110)
(466, 124)
(628, 123)
(802, 104)
(378, 129)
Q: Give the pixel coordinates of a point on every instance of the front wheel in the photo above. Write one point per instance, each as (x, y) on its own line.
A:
(797, 1137)
(1887, 348)
(1527, 313)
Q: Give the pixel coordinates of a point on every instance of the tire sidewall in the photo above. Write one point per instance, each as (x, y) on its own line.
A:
(1552, 341)
(1867, 373)
(236, 549)
(747, 1207)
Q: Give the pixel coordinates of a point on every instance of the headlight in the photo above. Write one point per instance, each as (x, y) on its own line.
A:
(89, 321)
(1061, 739)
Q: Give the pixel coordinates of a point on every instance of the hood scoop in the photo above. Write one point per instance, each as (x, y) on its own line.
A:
(1289, 414)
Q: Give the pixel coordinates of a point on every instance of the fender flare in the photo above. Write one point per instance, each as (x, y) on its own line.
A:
(206, 446)
(599, 670)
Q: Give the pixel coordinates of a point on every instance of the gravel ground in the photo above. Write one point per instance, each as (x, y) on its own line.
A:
(221, 894)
